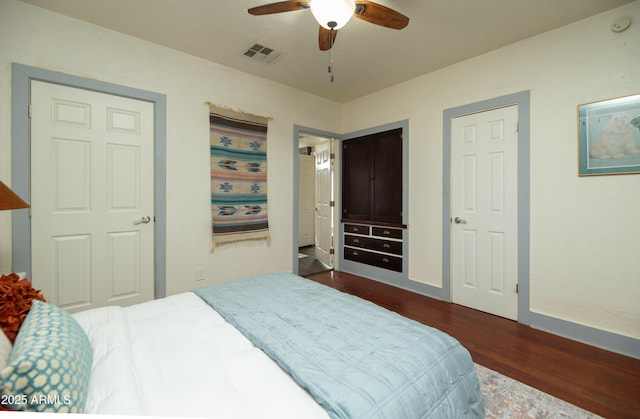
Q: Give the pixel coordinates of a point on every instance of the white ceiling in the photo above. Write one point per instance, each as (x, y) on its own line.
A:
(366, 57)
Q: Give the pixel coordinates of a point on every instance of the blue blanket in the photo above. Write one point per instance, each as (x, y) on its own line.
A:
(357, 360)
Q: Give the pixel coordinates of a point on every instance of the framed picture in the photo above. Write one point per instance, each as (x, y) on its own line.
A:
(609, 136)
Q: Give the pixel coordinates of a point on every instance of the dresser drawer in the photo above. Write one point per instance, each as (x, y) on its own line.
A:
(392, 263)
(355, 241)
(356, 255)
(386, 261)
(390, 233)
(379, 245)
(356, 229)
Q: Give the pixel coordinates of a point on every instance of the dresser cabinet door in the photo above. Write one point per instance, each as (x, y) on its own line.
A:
(386, 205)
(372, 178)
(356, 180)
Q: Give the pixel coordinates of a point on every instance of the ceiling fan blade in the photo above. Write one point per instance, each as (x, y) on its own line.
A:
(380, 15)
(326, 38)
(279, 7)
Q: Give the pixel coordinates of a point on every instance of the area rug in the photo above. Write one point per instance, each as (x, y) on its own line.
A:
(238, 176)
(508, 398)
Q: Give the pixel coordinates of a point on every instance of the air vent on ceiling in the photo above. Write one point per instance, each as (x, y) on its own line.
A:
(262, 53)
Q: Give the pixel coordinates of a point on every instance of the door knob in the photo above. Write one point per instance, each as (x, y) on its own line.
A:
(459, 220)
(142, 220)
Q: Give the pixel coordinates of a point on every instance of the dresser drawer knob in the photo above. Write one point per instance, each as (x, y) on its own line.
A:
(355, 253)
(386, 245)
(356, 229)
(356, 241)
(385, 260)
(387, 232)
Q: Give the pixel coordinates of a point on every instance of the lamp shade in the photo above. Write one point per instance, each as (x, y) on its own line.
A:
(9, 200)
(332, 14)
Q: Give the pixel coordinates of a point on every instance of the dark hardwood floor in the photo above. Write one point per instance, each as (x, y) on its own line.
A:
(602, 382)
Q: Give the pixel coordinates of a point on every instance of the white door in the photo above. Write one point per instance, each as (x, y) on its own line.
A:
(484, 243)
(323, 203)
(91, 197)
(306, 200)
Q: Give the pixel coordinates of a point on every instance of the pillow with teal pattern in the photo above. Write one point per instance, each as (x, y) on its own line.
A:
(50, 364)
(5, 349)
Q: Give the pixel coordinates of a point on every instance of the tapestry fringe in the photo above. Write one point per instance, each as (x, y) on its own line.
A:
(242, 241)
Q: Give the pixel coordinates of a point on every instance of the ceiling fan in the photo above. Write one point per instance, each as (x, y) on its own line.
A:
(334, 14)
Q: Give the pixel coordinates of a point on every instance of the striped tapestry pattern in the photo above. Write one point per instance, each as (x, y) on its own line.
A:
(238, 145)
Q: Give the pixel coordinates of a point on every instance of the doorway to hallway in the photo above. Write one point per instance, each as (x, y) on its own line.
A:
(316, 225)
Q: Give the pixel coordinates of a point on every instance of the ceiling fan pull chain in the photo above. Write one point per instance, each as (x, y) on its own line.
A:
(331, 55)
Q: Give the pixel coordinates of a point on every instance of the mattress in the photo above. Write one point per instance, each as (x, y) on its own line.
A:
(274, 346)
(177, 356)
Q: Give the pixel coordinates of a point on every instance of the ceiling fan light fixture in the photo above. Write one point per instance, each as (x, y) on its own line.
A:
(332, 14)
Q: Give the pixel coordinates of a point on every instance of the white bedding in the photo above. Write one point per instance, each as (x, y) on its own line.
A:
(178, 357)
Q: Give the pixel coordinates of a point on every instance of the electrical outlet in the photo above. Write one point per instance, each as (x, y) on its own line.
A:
(200, 276)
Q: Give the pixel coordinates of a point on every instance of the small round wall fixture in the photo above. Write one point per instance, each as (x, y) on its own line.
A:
(621, 24)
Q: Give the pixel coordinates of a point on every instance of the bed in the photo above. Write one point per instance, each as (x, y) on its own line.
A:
(271, 346)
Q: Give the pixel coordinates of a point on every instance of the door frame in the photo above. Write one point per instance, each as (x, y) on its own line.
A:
(22, 76)
(522, 100)
(297, 130)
